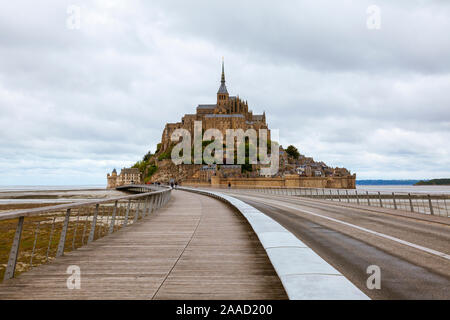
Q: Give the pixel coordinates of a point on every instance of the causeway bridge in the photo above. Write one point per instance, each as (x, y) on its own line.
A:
(195, 243)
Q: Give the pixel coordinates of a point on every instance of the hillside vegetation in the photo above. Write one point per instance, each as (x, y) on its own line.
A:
(434, 182)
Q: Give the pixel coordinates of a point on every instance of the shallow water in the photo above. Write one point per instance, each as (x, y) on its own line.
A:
(406, 189)
(54, 194)
(45, 188)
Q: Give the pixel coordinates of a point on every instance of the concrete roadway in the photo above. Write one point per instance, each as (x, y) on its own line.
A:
(413, 253)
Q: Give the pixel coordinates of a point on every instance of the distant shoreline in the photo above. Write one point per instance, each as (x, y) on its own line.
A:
(433, 182)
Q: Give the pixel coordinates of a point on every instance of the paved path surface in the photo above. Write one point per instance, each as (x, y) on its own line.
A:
(406, 272)
(194, 248)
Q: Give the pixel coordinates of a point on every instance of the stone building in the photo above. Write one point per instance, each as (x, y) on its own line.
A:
(230, 170)
(225, 170)
(207, 171)
(229, 112)
(127, 176)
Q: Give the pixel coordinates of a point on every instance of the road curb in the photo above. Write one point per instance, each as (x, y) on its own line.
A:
(303, 273)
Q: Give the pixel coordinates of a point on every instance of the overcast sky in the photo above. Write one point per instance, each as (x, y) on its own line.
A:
(77, 102)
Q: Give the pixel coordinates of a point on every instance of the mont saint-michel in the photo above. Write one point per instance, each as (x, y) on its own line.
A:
(230, 113)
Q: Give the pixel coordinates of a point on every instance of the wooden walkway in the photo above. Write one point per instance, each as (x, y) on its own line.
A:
(195, 248)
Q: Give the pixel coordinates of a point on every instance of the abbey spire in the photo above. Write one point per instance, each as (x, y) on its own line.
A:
(222, 94)
(223, 73)
(223, 87)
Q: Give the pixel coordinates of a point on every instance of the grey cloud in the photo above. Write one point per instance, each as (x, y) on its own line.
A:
(77, 103)
(324, 35)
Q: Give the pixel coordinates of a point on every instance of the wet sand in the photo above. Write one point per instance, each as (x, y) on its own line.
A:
(16, 200)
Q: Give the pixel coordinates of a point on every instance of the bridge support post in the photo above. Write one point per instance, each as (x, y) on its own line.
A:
(368, 198)
(113, 219)
(157, 199)
(431, 205)
(125, 221)
(410, 202)
(14, 253)
(136, 211)
(339, 195)
(150, 205)
(62, 238)
(160, 200)
(94, 223)
(154, 203)
(154, 199)
(357, 198)
(144, 212)
(348, 198)
(393, 198)
(381, 201)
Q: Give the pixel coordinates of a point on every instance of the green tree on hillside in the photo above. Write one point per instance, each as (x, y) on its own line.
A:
(147, 156)
(293, 152)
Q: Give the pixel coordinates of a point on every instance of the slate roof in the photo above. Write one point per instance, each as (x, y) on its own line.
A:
(206, 106)
(130, 171)
(224, 116)
(223, 88)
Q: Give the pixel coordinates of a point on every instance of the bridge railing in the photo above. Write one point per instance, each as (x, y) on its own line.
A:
(36, 236)
(433, 204)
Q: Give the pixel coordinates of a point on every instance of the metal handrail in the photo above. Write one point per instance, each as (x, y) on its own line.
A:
(424, 203)
(35, 211)
(143, 204)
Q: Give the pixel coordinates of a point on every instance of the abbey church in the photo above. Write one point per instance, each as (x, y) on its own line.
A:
(229, 112)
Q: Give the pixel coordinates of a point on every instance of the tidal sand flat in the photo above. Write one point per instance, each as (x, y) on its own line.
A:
(13, 198)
